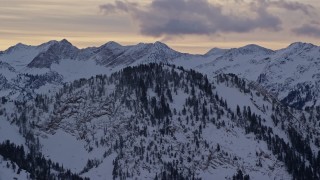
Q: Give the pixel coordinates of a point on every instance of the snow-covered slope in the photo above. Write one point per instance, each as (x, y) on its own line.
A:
(67, 63)
(292, 74)
(20, 55)
(113, 54)
(54, 54)
(10, 170)
(147, 125)
(151, 120)
(247, 62)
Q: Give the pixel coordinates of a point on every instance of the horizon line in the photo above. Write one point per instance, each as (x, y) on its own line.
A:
(127, 45)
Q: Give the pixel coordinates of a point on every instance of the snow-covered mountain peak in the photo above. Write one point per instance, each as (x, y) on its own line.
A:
(301, 45)
(299, 49)
(65, 41)
(157, 46)
(251, 49)
(17, 47)
(65, 44)
(112, 45)
(252, 53)
(20, 45)
(20, 55)
(62, 44)
(160, 45)
(215, 51)
(56, 52)
(255, 47)
(48, 44)
(109, 47)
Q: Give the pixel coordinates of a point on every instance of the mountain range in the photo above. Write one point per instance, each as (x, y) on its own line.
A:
(147, 111)
(291, 74)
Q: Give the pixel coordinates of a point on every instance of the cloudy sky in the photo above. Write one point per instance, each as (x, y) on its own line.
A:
(186, 25)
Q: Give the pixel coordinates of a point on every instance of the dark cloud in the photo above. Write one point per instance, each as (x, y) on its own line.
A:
(283, 4)
(118, 6)
(293, 6)
(180, 17)
(184, 17)
(308, 30)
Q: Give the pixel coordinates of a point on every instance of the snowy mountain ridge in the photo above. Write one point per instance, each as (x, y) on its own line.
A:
(282, 72)
(147, 111)
(159, 121)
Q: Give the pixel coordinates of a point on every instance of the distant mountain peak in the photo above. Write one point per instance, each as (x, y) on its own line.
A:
(156, 45)
(21, 45)
(53, 54)
(254, 47)
(65, 41)
(17, 47)
(301, 45)
(50, 43)
(215, 51)
(160, 44)
(250, 49)
(111, 45)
